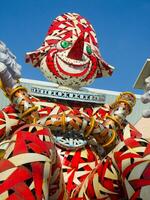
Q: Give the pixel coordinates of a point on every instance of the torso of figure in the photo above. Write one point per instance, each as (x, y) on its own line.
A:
(77, 157)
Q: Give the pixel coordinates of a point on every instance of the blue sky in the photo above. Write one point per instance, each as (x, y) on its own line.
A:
(122, 27)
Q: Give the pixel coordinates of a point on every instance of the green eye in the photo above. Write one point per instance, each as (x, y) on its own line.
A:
(88, 49)
(65, 44)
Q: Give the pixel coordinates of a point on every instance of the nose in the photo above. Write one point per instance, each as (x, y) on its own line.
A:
(76, 51)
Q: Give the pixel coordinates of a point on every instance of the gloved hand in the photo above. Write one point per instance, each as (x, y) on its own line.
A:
(10, 70)
(146, 97)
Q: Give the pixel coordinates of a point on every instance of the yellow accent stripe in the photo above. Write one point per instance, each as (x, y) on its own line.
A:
(92, 123)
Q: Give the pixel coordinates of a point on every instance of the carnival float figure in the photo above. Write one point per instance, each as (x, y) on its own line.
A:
(68, 149)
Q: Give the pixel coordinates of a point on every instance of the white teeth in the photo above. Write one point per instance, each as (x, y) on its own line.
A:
(70, 68)
(69, 61)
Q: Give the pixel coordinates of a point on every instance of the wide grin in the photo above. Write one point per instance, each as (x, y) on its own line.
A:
(72, 66)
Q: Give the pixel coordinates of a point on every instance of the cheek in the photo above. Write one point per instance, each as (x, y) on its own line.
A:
(50, 62)
(94, 62)
(94, 68)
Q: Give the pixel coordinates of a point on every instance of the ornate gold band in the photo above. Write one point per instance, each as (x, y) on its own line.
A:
(110, 142)
(127, 93)
(63, 122)
(27, 112)
(114, 119)
(13, 91)
(92, 123)
(127, 103)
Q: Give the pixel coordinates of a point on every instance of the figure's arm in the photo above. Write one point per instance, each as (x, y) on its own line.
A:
(21, 109)
(10, 72)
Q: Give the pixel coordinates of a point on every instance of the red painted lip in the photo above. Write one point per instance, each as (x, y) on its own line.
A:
(71, 74)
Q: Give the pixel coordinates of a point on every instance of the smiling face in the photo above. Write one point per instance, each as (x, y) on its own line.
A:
(69, 55)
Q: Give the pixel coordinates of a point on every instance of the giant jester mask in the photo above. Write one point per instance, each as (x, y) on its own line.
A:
(69, 55)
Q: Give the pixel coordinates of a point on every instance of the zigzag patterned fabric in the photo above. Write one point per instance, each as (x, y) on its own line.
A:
(31, 168)
(124, 173)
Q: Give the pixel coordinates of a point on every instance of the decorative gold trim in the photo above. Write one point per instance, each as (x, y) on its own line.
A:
(2, 153)
(113, 137)
(27, 112)
(114, 119)
(34, 120)
(63, 120)
(92, 123)
(15, 90)
(2, 87)
(126, 102)
(124, 93)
